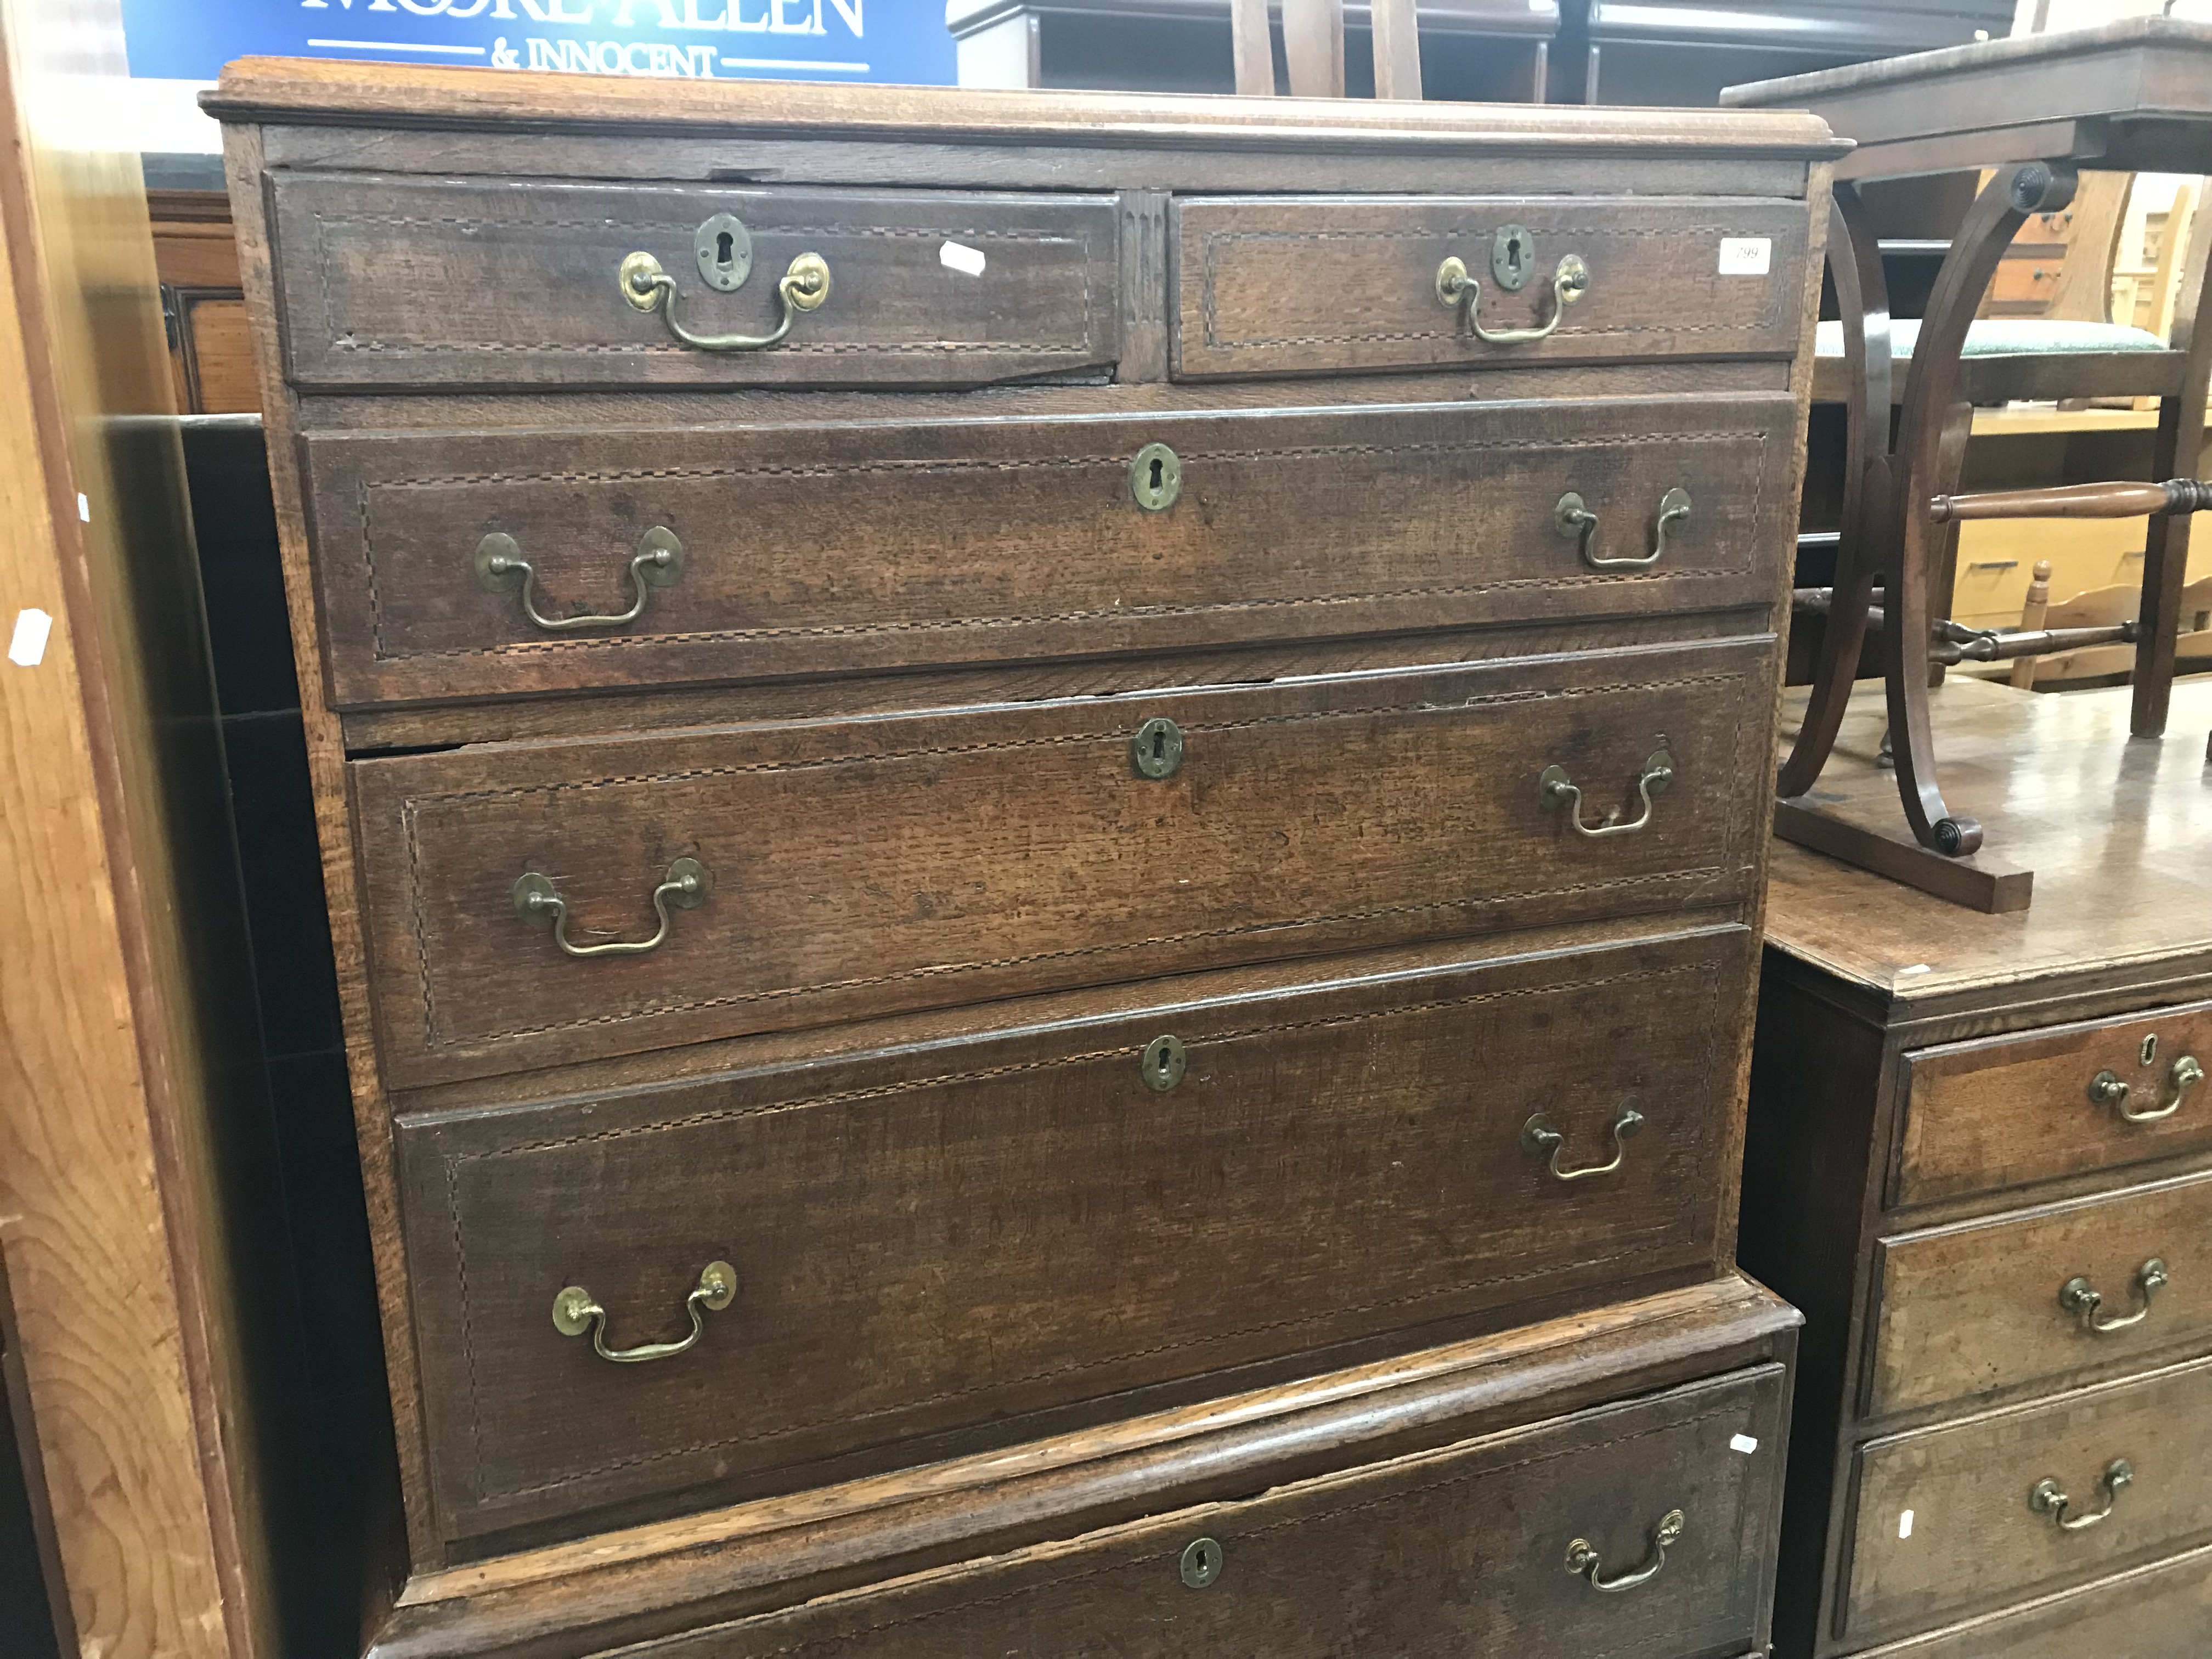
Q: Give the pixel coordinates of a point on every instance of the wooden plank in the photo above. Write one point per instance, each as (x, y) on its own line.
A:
(115, 1248)
(1982, 882)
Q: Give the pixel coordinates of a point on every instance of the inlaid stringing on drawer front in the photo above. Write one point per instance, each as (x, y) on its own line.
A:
(832, 548)
(862, 866)
(945, 1239)
(1294, 285)
(389, 281)
(1462, 1550)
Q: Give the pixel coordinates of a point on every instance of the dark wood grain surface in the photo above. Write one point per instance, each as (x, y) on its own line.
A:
(2159, 1611)
(947, 1235)
(1975, 1544)
(829, 548)
(858, 867)
(1973, 1308)
(1293, 285)
(1467, 1544)
(2002, 1112)
(509, 287)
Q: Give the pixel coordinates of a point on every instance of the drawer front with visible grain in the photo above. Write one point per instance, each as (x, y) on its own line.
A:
(389, 282)
(831, 548)
(2004, 1506)
(925, 1242)
(2161, 1611)
(1989, 1305)
(1302, 285)
(1462, 1550)
(798, 873)
(2006, 1111)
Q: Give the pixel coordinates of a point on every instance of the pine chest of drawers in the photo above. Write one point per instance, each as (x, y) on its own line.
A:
(1045, 817)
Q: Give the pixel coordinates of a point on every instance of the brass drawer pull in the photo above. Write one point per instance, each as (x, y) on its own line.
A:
(1557, 793)
(804, 286)
(536, 899)
(2079, 1299)
(503, 569)
(1583, 1560)
(2048, 1498)
(1539, 1134)
(1573, 520)
(1459, 289)
(575, 1311)
(2106, 1088)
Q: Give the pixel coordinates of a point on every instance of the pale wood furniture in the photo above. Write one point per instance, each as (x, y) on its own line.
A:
(1971, 1136)
(1466, 50)
(121, 988)
(1224, 611)
(2134, 96)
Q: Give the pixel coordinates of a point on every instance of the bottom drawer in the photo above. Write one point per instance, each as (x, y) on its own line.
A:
(2163, 1611)
(1505, 1545)
(1954, 1520)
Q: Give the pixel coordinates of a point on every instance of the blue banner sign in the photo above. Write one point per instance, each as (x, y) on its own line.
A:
(902, 40)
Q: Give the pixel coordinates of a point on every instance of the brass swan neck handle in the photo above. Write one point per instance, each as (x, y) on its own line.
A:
(804, 286)
(501, 568)
(1583, 1560)
(536, 899)
(1574, 520)
(1557, 793)
(576, 1310)
(1540, 1135)
(1460, 289)
(2048, 1498)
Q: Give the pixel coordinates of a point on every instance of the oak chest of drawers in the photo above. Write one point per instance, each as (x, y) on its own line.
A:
(1046, 817)
(1980, 1159)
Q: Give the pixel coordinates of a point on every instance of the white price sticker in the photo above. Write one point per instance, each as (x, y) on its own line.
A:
(26, 646)
(1744, 1443)
(955, 256)
(1747, 256)
(1904, 1524)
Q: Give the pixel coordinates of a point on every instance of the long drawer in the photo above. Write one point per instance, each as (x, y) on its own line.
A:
(1980, 1514)
(1992, 1304)
(2005, 1111)
(1496, 1546)
(2162, 1612)
(1301, 284)
(832, 548)
(783, 875)
(928, 1241)
(387, 282)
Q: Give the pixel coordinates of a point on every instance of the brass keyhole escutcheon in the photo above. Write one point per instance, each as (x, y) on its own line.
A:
(1512, 258)
(1156, 749)
(724, 248)
(1163, 1063)
(1156, 478)
(1201, 1563)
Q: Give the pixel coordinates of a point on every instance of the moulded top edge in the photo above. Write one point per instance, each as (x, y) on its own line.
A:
(340, 91)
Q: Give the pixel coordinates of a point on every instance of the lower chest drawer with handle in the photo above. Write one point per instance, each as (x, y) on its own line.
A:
(2161, 1611)
(633, 893)
(2023, 1297)
(1639, 1531)
(1981, 1514)
(750, 1271)
(2005, 1111)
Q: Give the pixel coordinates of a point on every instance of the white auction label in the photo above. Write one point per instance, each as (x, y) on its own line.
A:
(26, 646)
(1747, 256)
(956, 256)
(1744, 1443)
(1904, 1524)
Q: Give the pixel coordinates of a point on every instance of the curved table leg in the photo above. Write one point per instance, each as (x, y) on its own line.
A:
(1931, 392)
(2176, 453)
(1863, 299)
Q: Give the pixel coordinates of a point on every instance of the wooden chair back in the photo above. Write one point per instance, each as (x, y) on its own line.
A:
(1313, 48)
(2101, 607)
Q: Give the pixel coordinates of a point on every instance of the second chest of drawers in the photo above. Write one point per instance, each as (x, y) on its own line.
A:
(1019, 793)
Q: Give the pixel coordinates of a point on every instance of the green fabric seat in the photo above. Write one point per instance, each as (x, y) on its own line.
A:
(2010, 336)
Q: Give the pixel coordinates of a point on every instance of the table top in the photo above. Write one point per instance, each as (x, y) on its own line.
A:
(2132, 96)
(2118, 831)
